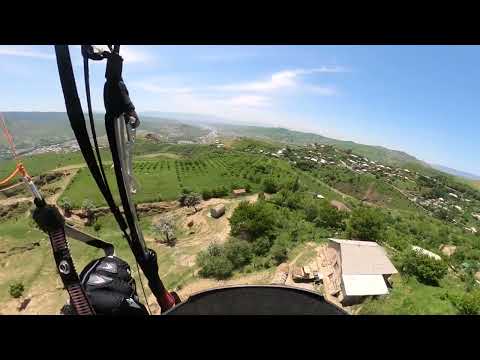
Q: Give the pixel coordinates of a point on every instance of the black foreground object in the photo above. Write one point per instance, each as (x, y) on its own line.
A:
(111, 288)
(256, 300)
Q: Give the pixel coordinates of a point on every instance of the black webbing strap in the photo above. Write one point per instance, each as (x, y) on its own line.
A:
(117, 102)
(77, 121)
(52, 222)
(90, 115)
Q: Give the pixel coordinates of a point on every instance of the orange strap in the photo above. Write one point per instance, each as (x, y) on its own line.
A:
(8, 136)
(19, 169)
(10, 177)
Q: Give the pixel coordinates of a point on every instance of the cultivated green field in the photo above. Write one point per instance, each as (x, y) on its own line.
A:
(164, 179)
(39, 164)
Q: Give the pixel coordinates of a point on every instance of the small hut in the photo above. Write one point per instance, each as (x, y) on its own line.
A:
(217, 211)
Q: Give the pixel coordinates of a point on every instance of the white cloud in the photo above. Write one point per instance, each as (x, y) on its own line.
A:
(258, 101)
(287, 79)
(26, 51)
(135, 54)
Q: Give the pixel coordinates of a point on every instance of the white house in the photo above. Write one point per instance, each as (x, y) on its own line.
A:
(363, 267)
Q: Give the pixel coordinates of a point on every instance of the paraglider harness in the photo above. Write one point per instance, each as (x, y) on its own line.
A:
(121, 122)
(119, 296)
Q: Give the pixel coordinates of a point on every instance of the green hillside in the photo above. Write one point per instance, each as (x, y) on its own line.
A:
(376, 153)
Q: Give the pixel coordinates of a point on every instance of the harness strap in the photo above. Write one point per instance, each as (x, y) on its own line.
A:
(77, 121)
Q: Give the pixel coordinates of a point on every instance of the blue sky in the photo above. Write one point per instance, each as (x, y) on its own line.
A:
(420, 99)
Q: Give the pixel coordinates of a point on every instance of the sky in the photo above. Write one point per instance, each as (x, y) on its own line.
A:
(423, 100)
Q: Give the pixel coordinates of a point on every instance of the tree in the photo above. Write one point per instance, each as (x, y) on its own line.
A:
(253, 220)
(206, 194)
(426, 269)
(88, 207)
(270, 186)
(239, 252)
(192, 200)
(366, 224)
(66, 205)
(214, 262)
(329, 217)
(218, 267)
(279, 251)
(16, 290)
(166, 228)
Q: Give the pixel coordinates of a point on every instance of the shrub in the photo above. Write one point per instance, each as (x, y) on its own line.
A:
(270, 186)
(192, 200)
(206, 194)
(427, 270)
(88, 206)
(16, 290)
(239, 252)
(366, 224)
(467, 303)
(253, 220)
(261, 246)
(278, 252)
(97, 227)
(329, 217)
(214, 263)
(165, 227)
(220, 192)
(66, 204)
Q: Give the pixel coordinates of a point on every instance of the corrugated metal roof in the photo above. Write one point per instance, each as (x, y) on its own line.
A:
(364, 258)
(362, 285)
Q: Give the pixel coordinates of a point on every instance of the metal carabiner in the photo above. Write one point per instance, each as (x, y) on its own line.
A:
(131, 135)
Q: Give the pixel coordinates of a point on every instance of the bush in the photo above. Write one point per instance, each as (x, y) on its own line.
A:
(97, 227)
(206, 194)
(239, 252)
(220, 192)
(466, 303)
(66, 204)
(253, 220)
(261, 246)
(270, 186)
(192, 200)
(218, 267)
(214, 263)
(16, 290)
(329, 217)
(278, 252)
(427, 270)
(366, 224)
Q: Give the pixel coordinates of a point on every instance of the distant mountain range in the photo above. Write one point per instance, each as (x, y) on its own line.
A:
(455, 172)
(32, 129)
